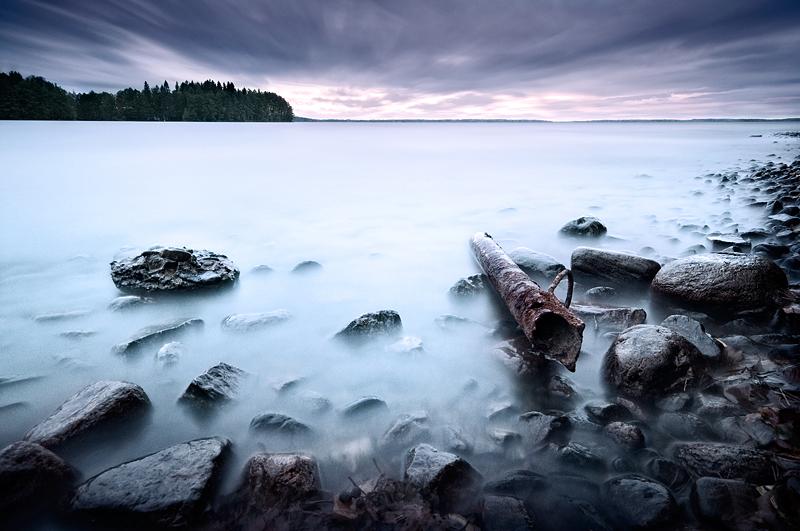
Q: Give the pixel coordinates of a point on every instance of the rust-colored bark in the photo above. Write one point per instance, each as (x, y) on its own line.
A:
(554, 331)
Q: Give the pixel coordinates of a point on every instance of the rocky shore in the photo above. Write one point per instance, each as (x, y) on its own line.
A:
(698, 426)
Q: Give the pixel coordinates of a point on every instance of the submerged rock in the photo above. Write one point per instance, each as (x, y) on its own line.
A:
(60, 316)
(585, 226)
(638, 502)
(31, 476)
(372, 325)
(278, 424)
(163, 269)
(603, 318)
(167, 489)
(406, 345)
(170, 353)
(444, 478)
(696, 334)
(218, 385)
(156, 333)
(541, 267)
(93, 407)
(600, 294)
(126, 302)
(470, 286)
(617, 269)
(273, 479)
(721, 282)
(307, 266)
(364, 406)
(250, 322)
(726, 461)
(647, 361)
(407, 431)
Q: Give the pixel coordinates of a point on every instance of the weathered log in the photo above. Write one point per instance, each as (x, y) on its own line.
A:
(554, 331)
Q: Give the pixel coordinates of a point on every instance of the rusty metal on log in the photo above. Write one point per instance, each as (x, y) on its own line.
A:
(554, 331)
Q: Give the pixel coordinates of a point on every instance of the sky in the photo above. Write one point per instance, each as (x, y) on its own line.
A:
(431, 59)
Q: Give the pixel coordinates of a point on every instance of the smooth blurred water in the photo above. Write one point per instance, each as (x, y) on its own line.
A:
(387, 208)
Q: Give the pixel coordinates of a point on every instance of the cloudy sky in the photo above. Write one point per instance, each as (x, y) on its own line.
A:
(534, 59)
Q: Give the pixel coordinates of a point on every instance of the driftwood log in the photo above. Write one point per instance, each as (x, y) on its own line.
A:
(553, 330)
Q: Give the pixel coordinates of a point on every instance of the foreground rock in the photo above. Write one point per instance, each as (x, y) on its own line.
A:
(638, 502)
(157, 333)
(251, 322)
(647, 361)
(602, 318)
(444, 478)
(384, 323)
(725, 502)
(172, 269)
(541, 267)
(216, 386)
(726, 461)
(620, 270)
(167, 489)
(31, 476)
(92, 408)
(504, 513)
(275, 479)
(585, 226)
(721, 282)
(696, 334)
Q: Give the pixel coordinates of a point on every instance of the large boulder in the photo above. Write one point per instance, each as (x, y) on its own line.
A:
(172, 269)
(637, 502)
(373, 325)
(275, 479)
(585, 227)
(624, 271)
(725, 502)
(444, 478)
(217, 386)
(727, 461)
(165, 490)
(92, 408)
(155, 334)
(541, 267)
(721, 283)
(648, 362)
(31, 476)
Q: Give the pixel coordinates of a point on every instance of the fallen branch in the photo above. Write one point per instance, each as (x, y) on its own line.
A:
(554, 331)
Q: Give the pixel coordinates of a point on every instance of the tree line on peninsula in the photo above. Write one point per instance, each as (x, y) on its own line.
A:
(35, 98)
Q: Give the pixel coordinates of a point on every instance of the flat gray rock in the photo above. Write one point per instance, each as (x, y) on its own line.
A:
(126, 302)
(157, 333)
(624, 271)
(609, 319)
(695, 333)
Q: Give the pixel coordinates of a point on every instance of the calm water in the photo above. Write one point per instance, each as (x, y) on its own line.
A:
(386, 208)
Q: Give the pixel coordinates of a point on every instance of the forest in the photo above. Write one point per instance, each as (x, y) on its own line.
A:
(35, 98)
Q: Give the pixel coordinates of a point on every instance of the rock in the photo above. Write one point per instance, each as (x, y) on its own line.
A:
(262, 269)
(585, 226)
(406, 345)
(157, 333)
(725, 502)
(163, 269)
(455, 440)
(696, 334)
(625, 434)
(77, 334)
(504, 438)
(667, 472)
(504, 513)
(541, 267)
(647, 361)
(454, 322)
(218, 385)
(250, 322)
(407, 431)
(92, 408)
(602, 318)
(542, 429)
(685, 426)
(170, 353)
(720, 282)
(624, 271)
(447, 480)
(600, 294)
(313, 402)
(31, 476)
(278, 424)
(674, 402)
(580, 457)
(605, 412)
(275, 479)
(518, 483)
(638, 502)
(307, 266)
(167, 489)
(726, 461)
(366, 405)
(716, 407)
(723, 241)
(771, 250)
(470, 286)
(60, 316)
(372, 325)
(127, 302)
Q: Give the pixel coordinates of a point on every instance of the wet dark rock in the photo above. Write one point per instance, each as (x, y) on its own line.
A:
(561, 389)
(384, 323)
(541, 267)
(721, 283)
(60, 316)
(723, 241)
(157, 333)
(251, 322)
(275, 479)
(624, 271)
(542, 429)
(215, 387)
(580, 457)
(667, 472)
(278, 424)
(407, 430)
(605, 412)
(520, 483)
(167, 490)
(173, 269)
(447, 480)
(725, 502)
(648, 361)
(31, 476)
(602, 318)
(90, 409)
(585, 226)
(716, 407)
(726, 461)
(505, 513)
(638, 502)
(504, 438)
(685, 426)
(366, 405)
(470, 286)
(696, 334)
(626, 435)
(674, 402)
(600, 294)
(126, 302)
(308, 266)
(786, 498)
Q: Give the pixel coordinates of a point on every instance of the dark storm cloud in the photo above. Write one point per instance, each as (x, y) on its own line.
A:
(357, 56)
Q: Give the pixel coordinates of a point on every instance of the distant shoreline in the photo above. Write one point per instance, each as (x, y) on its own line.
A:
(501, 120)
